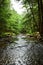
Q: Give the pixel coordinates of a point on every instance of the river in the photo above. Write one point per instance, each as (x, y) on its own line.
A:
(22, 52)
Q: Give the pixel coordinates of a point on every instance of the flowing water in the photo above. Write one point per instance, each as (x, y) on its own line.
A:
(21, 52)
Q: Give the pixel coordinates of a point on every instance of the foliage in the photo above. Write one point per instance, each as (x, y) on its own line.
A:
(9, 19)
(13, 23)
(30, 20)
(4, 14)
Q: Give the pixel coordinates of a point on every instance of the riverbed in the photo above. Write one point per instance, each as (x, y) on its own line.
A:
(21, 52)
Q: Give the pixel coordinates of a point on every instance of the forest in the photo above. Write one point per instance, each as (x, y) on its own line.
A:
(29, 22)
(21, 35)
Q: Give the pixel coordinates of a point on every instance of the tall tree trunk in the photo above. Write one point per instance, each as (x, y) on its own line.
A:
(40, 7)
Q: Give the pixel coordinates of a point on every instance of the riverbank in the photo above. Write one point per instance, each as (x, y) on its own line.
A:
(10, 38)
(25, 52)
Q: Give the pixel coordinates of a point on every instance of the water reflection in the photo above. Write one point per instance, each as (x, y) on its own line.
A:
(21, 53)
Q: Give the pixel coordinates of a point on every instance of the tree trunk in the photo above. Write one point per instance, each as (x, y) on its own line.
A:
(40, 8)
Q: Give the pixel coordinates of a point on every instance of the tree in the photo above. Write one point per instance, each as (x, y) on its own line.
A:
(4, 14)
(13, 23)
(31, 17)
(31, 3)
(40, 8)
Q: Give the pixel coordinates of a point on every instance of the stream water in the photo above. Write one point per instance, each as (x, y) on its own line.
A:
(21, 52)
